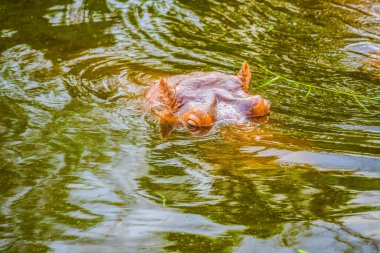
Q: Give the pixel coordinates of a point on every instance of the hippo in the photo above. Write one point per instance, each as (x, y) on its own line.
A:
(199, 100)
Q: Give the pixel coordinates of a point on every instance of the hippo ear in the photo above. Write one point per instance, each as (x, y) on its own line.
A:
(245, 75)
(166, 92)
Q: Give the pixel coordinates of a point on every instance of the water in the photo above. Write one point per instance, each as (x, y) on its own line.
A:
(84, 168)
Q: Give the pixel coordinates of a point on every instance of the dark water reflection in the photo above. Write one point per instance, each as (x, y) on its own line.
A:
(84, 169)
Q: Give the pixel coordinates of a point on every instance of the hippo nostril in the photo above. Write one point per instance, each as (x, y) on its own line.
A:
(259, 107)
(267, 103)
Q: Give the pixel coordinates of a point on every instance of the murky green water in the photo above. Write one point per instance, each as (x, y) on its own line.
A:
(84, 169)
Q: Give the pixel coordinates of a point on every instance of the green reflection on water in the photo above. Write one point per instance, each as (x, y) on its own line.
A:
(84, 169)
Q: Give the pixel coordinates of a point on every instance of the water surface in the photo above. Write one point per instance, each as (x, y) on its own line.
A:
(84, 168)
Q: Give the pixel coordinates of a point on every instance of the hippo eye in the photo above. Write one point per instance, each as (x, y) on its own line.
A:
(196, 117)
(191, 122)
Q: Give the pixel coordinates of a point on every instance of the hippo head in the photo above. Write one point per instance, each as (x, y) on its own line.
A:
(199, 100)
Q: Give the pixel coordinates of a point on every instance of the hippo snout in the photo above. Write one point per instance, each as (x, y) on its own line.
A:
(260, 107)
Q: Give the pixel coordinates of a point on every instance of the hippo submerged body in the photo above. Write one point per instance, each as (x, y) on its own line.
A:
(199, 100)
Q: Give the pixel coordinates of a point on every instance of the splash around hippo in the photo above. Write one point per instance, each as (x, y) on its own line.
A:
(199, 100)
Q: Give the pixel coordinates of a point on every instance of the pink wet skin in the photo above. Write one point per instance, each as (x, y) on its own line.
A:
(198, 100)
